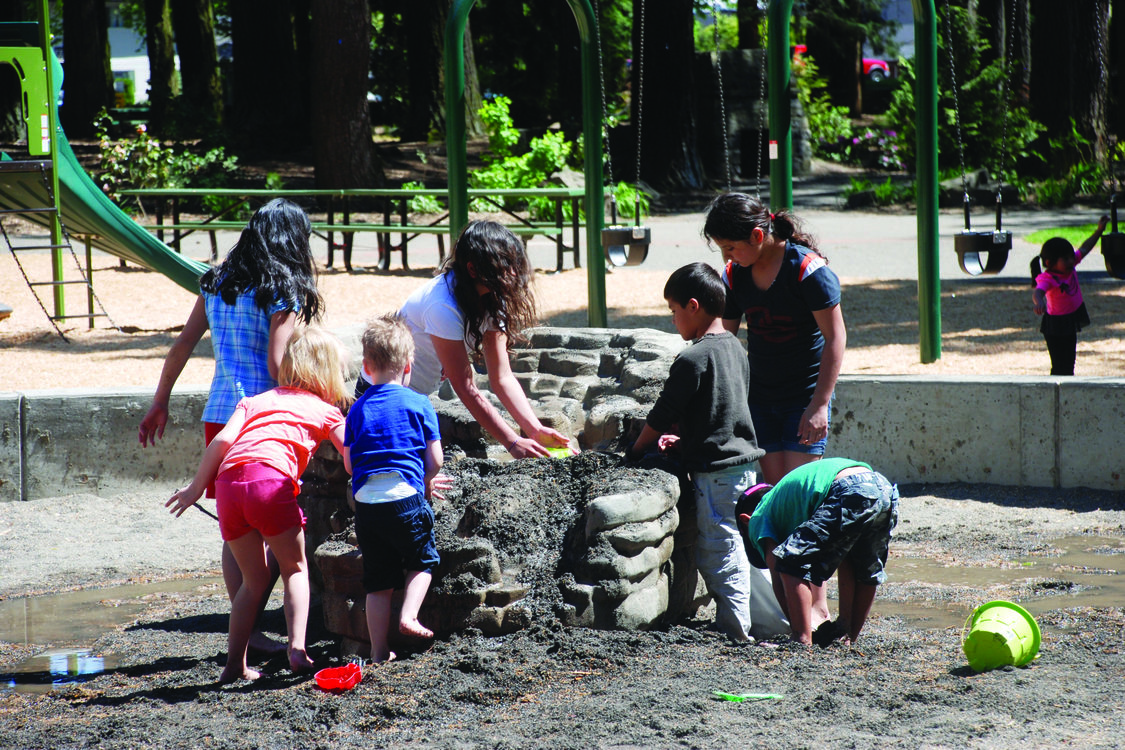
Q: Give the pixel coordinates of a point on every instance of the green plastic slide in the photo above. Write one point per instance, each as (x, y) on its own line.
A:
(88, 212)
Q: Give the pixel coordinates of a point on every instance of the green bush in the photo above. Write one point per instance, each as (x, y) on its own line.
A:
(830, 127)
(144, 162)
(883, 194)
(545, 156)
(422, 204)
(976, 102)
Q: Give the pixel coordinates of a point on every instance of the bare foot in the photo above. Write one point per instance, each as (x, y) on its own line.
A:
(389, 657)
(263, 644)
(299, 661)
(415, 629)
(230, 676)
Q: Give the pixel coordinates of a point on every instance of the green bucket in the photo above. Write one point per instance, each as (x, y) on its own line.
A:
(1000, 634)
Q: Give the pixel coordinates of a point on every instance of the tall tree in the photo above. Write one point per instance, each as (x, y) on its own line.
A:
(669, 158)
(163, 85)
(88, 79)
(837, 31)
(202, 100)
(271, 84)
(1065, 79)
(1115, 53)
(341, 128)
(424, 28)
(750, 18)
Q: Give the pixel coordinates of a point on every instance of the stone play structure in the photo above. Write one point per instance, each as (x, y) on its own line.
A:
(586, 540)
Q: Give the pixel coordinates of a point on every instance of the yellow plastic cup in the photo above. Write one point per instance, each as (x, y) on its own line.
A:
(1000, 634)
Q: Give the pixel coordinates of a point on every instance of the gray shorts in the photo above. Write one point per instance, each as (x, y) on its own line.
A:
(854, 523)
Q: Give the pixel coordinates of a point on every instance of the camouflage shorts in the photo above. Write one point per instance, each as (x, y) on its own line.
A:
(854, 523)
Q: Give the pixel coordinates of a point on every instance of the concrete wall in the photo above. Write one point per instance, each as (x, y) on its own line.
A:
(59, 442)
(1019, 431)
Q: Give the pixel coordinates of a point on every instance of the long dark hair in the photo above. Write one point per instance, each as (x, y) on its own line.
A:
(733, 216)
(273, 257)
(499, 263)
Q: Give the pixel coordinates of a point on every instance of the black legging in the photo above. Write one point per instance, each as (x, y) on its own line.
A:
(1063, 349)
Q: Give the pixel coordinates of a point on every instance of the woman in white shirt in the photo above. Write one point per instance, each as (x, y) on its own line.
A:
(480, 303)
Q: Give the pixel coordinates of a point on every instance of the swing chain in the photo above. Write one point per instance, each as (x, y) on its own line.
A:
(605, 108)
(722, 100)
(1009, 33)
(763, 106)
(640, 106)
(956, 106)
(1101, 95)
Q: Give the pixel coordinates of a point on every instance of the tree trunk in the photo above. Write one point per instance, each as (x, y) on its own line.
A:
(344, 153)
(88, 79)
(749, 22)
(856, 106)
(271, 84)
(1065, 82)
(194, 23)
(1115, 53)
(162, 83)
(1020, 29)
(424, 21)
(663, 100)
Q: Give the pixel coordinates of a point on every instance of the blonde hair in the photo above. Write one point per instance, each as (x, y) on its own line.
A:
(314, 361)
(388, 345)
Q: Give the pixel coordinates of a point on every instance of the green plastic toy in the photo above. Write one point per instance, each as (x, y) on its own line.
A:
(745, 697)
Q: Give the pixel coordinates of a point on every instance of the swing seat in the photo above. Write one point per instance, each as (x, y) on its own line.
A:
(626, 246)
(991, 245)
(1113, 250)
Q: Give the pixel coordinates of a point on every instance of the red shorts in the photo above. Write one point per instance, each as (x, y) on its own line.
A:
(256, 497)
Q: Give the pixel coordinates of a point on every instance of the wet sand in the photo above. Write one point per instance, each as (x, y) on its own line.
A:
(905, 682)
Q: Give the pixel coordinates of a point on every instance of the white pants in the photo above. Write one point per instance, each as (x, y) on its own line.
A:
(744, 599)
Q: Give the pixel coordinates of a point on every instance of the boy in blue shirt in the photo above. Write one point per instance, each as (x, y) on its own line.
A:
(392, 433)
(829, 515)
(702, 415)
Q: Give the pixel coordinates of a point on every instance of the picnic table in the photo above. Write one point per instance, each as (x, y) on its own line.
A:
(393, 205)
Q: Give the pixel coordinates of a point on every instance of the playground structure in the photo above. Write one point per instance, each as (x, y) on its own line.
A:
(54, 190)
(75, 206)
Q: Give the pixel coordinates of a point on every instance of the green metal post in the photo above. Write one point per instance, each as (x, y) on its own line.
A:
(457, 149)
(926, 189)
(53, 110)
(596, 312)
(781, 131)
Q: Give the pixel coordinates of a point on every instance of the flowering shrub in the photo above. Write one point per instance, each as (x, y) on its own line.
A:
(144, 162)
(876, 149)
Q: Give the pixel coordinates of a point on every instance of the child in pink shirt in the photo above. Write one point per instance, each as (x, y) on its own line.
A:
(1058, 295)
(256, 462)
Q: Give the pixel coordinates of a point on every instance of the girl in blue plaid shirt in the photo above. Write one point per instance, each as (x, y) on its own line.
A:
(251, 303)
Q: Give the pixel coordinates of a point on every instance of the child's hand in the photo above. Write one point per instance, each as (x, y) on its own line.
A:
(1102, 222)
(438, 485)
(667, 442)
(182, 500)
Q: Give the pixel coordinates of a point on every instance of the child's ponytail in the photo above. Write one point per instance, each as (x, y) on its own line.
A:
(734, 216)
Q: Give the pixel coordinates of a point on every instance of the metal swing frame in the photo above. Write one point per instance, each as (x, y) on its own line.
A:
(980, 252)
(625, 245)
